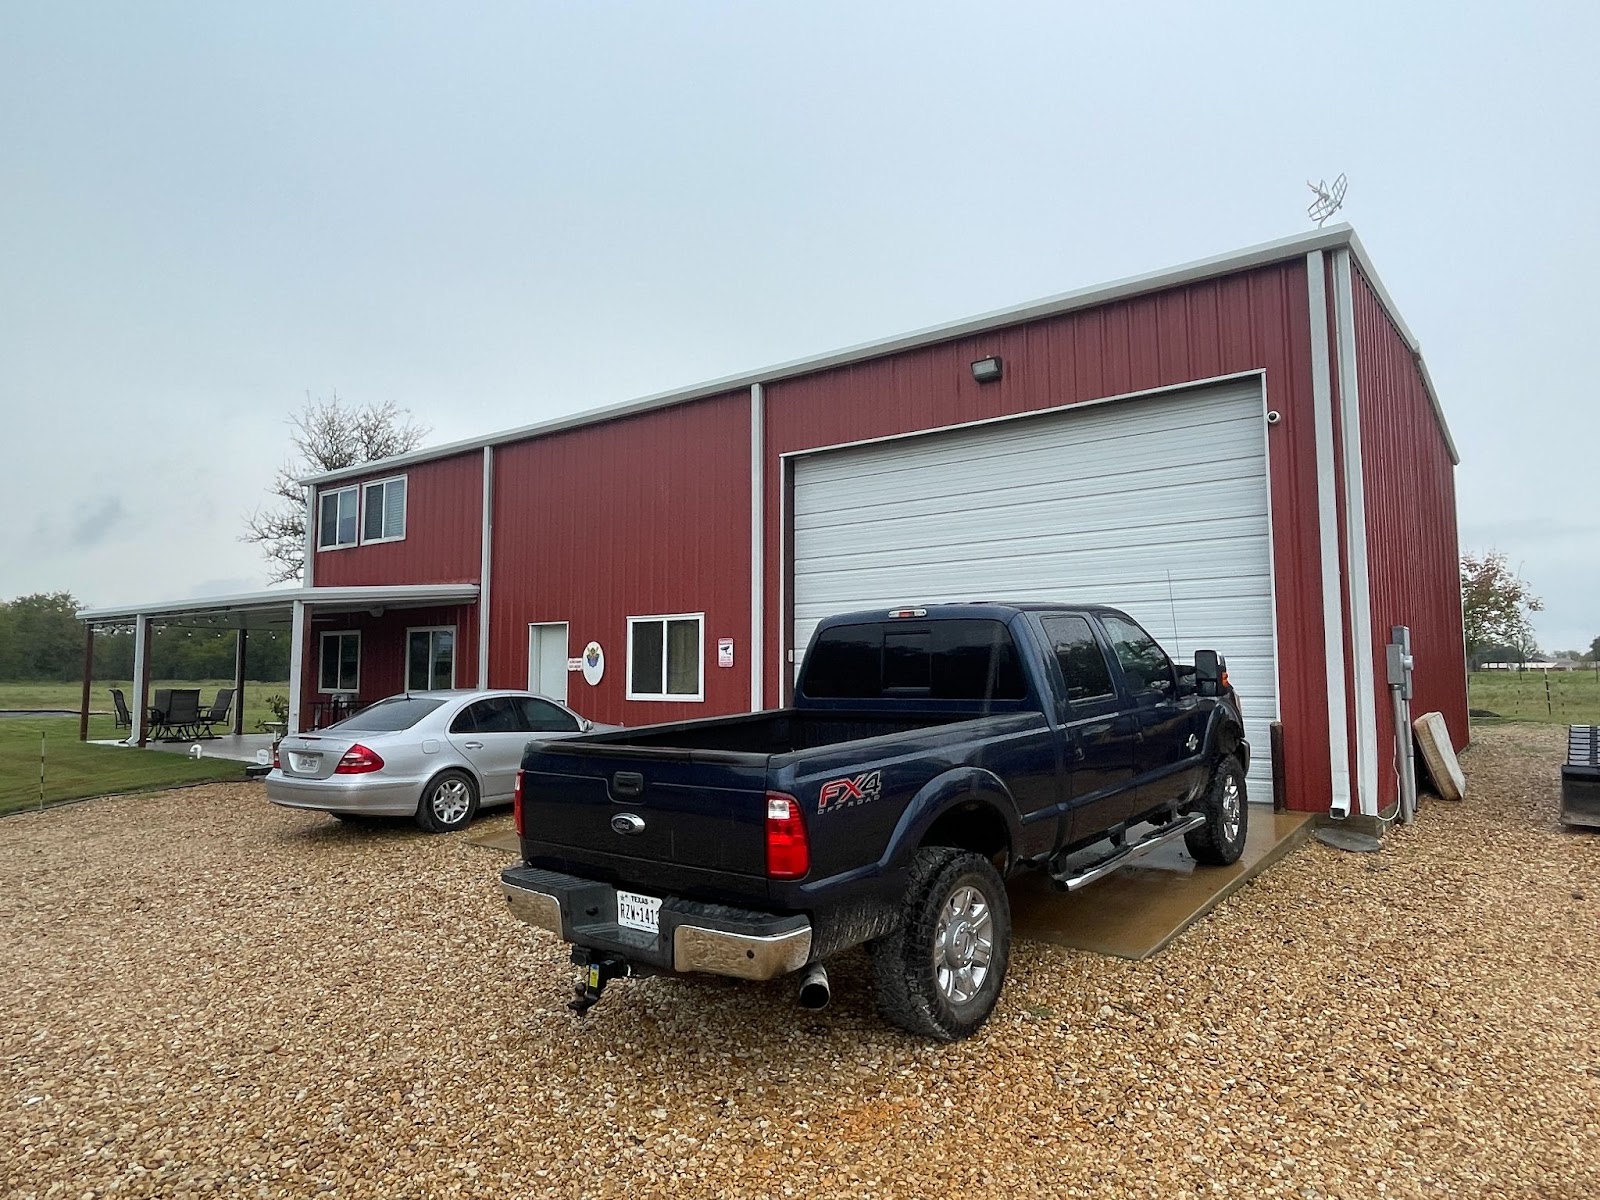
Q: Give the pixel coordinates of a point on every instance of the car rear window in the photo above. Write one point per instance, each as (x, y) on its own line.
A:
(387, 716)
(969, 659)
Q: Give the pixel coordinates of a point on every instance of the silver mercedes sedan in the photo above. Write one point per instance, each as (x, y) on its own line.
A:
(437, 756)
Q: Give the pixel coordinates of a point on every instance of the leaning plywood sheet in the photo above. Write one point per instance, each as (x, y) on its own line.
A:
(1433, 739)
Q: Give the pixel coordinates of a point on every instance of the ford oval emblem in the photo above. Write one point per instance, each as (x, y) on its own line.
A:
(627, 823)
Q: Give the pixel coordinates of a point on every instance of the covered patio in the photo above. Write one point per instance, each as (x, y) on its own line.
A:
(294, 609)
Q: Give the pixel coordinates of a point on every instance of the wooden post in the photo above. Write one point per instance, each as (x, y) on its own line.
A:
(238, 681)
(88, 678)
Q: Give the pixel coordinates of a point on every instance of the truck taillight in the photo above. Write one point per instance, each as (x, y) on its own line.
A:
(358, 760)
(788, 852)
(516, 804)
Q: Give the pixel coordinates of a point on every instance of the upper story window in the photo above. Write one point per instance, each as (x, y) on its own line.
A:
(336, 518)
(384, 506)
(666, 658)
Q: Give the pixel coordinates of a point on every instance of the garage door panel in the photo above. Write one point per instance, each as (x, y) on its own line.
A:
(1156, 506)
(1007, 485)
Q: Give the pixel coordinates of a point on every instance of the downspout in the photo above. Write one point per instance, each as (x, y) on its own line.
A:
(1355, 515)
(1328, 537)
(758, 565)
(485, 565)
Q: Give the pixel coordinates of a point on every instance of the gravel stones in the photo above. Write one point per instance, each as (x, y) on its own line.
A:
(208, 996)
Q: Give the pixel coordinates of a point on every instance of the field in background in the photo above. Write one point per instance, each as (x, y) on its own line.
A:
(1572, 698)
(68, 695)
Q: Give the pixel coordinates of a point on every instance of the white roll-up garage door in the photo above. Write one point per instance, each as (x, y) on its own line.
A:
(1156, 505)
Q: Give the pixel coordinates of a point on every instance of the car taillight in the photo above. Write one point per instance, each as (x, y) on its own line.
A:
(358, 760)
(516, 804)
(276, 765)
(788, 852)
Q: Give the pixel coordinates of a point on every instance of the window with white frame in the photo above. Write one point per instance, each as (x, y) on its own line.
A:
(666, 657)
(339, 662)
(336, 518)
(431, 659)
(383, 503)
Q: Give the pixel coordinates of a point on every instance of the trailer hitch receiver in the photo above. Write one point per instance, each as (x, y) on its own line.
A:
(598, 970)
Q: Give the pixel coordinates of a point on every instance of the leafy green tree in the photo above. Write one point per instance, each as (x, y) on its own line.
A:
(40, 638)
(1496, 604)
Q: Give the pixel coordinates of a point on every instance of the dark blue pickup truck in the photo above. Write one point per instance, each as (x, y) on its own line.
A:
(930, 753)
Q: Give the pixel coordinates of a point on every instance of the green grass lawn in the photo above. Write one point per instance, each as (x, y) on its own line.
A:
(70, 695)
(73, 770)
(1573, 697)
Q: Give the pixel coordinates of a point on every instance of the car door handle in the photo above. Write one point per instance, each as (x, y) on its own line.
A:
(473, 745)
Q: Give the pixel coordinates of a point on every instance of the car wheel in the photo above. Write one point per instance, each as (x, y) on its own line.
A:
(940, 973)
(449, 802)
(1226, 806)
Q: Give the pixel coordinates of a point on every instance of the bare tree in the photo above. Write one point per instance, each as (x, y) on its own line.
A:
(327, 435)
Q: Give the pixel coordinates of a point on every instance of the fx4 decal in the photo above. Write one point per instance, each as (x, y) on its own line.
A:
(842, 793)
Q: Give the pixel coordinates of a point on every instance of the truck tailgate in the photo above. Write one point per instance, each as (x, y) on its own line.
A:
(703, 810)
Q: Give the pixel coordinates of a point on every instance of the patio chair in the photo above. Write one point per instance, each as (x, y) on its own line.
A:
(183, 715)
(217, 714)
(156, 718)
(119, 702)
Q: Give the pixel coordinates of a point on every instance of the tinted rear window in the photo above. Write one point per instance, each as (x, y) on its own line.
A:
(387, 716)
(934, 660)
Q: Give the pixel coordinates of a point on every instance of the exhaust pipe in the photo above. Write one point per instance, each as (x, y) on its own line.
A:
(814, 990)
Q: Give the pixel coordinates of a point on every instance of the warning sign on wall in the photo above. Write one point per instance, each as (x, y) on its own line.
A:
(724, 652)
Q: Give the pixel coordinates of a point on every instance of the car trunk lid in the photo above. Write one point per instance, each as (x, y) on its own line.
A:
(312, 756)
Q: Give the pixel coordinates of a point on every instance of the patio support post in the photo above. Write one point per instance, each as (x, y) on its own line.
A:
(140, 733)
(297, 656)
(238, 681)
(88, 678)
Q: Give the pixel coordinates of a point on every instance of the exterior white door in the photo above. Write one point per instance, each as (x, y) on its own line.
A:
(1156, 505)
(547, 660)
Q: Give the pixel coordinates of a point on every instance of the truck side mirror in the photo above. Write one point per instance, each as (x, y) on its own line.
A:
(1208, 670)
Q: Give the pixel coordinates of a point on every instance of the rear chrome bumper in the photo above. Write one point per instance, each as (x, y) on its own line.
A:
(710, 938)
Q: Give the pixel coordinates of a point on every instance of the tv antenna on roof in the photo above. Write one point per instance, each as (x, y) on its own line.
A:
(1330, 198)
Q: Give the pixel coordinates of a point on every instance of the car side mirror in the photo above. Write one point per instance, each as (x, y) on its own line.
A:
(1186, 681)
(1208, 672)
(585, 725)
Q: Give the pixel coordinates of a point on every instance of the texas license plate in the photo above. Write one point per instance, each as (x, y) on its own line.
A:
(638, 912)
(305, 764)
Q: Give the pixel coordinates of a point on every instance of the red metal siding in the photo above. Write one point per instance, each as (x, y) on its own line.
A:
(444, 530)
(1253, 320)
(1412, 548)
(637, 517)
(383, 648)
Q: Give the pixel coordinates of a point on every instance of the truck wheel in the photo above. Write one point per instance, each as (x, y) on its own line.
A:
(939, 974)
(449, 803)
(1220, 840)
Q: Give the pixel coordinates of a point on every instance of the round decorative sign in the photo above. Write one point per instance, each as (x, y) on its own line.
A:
(594, 663)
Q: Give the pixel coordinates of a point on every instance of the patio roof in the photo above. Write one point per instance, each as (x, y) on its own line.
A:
(274, 607)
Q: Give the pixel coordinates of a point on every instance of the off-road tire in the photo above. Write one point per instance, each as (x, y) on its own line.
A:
(1220, 840)
(905, 963)
(434, 815)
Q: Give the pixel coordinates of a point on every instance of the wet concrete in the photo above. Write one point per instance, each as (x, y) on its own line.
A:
(1131, 913)
(1134, 912)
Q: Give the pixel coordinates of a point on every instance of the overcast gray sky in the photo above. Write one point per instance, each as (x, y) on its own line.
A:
(492, 214)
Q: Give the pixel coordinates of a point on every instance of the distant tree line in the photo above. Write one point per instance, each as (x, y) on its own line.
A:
(41, 640)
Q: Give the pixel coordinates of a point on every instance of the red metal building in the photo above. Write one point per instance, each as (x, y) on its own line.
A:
(1245, 451)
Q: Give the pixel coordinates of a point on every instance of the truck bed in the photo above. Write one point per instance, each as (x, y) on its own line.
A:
(782, 731)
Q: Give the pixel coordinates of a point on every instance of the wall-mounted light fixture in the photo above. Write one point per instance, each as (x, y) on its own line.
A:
(987, 370)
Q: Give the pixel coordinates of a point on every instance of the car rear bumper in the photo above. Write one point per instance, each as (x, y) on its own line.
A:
(712, 938)
(350, 793)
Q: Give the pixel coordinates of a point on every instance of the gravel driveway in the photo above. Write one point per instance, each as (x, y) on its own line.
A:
(205, 995)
